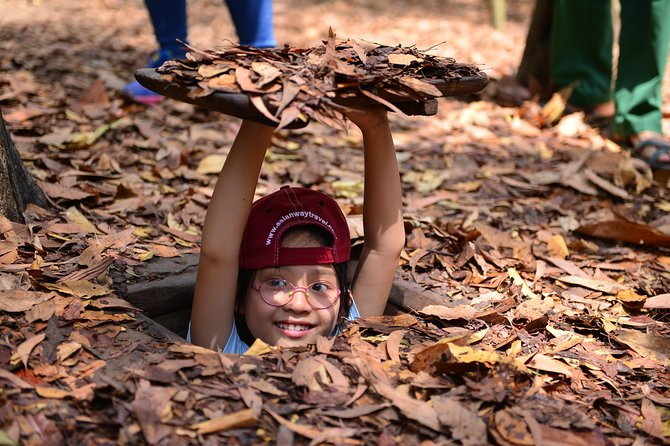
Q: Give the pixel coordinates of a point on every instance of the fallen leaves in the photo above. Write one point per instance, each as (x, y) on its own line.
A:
(17, 301)
(535, 316)
(392, 373)
(620, 228)
(649, 346)
(295, 84)
(14, 380)
(238, 420)
(662, 301)
(81, 288)
(23, 351)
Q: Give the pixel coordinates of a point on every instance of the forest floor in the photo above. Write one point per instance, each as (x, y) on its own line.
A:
(548, 245)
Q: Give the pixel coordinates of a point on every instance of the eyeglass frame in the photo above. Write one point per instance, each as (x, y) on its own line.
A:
(304, 290)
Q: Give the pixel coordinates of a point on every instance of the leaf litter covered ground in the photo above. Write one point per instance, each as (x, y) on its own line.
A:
(546, 244)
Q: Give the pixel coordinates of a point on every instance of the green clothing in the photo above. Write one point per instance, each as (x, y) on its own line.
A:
(581, 51)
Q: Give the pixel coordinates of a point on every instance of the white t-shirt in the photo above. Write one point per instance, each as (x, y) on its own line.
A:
(237, 346)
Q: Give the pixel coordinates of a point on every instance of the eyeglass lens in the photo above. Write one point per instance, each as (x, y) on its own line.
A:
(277, 292)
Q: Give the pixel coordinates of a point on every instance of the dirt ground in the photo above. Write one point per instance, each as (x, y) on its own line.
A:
(119, 31)
(110, 39)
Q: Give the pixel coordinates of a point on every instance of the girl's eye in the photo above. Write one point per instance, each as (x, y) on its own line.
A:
(278, 284)
(321, 287)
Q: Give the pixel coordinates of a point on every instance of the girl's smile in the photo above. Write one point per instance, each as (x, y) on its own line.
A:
(294, 330)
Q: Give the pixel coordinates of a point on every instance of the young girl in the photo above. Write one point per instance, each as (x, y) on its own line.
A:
(276, 271)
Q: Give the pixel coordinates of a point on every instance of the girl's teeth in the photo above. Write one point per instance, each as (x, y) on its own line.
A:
(293, 327)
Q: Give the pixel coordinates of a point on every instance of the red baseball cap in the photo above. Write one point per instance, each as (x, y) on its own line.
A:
(288, 208)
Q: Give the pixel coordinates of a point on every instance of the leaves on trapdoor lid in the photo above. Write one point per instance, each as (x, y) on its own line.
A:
(316, 81)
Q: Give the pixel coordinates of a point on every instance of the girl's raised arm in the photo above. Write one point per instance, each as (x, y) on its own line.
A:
(216, 285)
(382, 213)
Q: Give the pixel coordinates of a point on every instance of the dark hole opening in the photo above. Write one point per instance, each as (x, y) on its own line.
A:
(163, 290)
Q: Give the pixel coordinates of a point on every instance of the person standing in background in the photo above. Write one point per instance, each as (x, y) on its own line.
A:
(582, 40)
(253, 20)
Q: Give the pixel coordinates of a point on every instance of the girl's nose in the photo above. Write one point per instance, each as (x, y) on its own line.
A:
(298, 302)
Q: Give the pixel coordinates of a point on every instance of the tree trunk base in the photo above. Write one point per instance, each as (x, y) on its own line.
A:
(17, 187)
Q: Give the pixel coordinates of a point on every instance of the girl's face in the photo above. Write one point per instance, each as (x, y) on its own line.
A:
(296, 322)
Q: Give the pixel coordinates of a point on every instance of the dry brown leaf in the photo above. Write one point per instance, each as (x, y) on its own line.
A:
(626, 231)
(41, 312)
(557, 247)
(661, 301)
(466, 312)
(534, 308)
(393, 345)
(259, 348)
(268, 388)
(211, 164)
(413, 409)
(75, 217)
(236, 420)
(224, 82)
(243, 76)
(606, 185)
(545, 363)
(319, 434)
(52, 392)
(55, 190)
(23, 351)
(266, 71)
(652, 422)
(83, 289)
(67, 349)
(465, 425)
(111, 302)
(207, 71)
(355, 412)
(18, 301)
(647, 345)
(288, 115)
(89, 273)
(425, 88)
(554, 107)
(306, 373)
(289, 92)
(512, 428)
(151, 408)
(402, 59)
(84, 393)
(338, 379)
(252, 398)
(17, 382)
(630, 298)
(604, 286)
(257, 101)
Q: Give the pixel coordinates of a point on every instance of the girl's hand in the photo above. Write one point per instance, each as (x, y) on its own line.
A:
(368, 118)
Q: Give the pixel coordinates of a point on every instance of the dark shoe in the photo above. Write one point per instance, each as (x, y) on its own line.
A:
(137, 92)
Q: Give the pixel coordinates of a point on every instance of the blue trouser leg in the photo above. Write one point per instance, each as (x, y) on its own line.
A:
(169, 20)
(253, 22)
